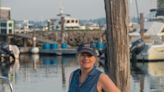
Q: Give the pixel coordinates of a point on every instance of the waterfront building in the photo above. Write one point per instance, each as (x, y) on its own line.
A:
(26, 26)
(82, 27)
(93, 26)
(51, 24)
(6, 24)
(6, 27)
(5, 13)
(70, 23)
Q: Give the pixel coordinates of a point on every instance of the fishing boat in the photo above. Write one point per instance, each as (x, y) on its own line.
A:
(9, 51)
(153, 38)
(153, 52)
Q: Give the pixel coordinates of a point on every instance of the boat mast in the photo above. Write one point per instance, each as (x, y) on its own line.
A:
(62, 24)
(137, 10)
(61, 14)
(0, 7)
(62, 21)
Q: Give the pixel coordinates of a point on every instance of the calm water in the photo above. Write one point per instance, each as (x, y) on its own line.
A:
(34, 73)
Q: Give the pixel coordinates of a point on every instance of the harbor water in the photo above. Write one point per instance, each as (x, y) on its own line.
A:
(34, 73)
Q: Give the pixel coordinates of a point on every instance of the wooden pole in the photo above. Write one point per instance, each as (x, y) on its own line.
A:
(118, 62)
(62, 28)
(142, 83)
(142, 26)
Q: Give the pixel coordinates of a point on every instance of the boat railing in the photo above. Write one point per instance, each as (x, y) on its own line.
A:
(5, 85)
(157, 41)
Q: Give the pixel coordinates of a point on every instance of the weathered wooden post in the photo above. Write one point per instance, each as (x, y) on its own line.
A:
(141, 83)
(142, 26)
(118, 62)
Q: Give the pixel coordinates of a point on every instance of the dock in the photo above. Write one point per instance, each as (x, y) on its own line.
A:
(59, 51)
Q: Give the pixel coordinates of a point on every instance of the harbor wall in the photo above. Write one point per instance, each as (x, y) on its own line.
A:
(73, 38)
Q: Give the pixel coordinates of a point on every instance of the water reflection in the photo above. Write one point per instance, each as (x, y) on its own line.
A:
(154, 72)
(35, 61)
(43, 73)
(153, 68)
(51, 74)
(5, 65)
(63, 71)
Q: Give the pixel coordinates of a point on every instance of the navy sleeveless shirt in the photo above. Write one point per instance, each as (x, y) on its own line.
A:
(89, 85)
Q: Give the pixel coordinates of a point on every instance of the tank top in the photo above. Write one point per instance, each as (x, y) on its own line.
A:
(89, 85)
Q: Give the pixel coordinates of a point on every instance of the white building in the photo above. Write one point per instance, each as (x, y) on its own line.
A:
(6, 27)
(70, 23)
(6, 24)
(93, 26)
(51, 24)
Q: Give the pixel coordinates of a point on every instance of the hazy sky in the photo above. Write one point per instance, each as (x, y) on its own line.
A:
(45, 9)
(143, 6)
(83, 9)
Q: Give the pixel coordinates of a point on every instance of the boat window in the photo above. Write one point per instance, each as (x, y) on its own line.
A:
(10, 31)
(57, 27)
(3, 31)
(68, 21)
(3, 24)
(145, 30)
(10, 24)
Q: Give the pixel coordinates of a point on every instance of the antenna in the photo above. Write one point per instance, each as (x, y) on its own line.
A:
(62, 19)
(136, 3)
(0, 9)
(61, 10)
(61, 14)
(61, 7)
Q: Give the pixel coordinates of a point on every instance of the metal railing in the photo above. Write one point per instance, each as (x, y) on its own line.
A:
(5, 85)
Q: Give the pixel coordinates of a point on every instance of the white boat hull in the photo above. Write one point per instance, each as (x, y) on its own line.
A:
(15, 51)
(152, 53)
(34, 50)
